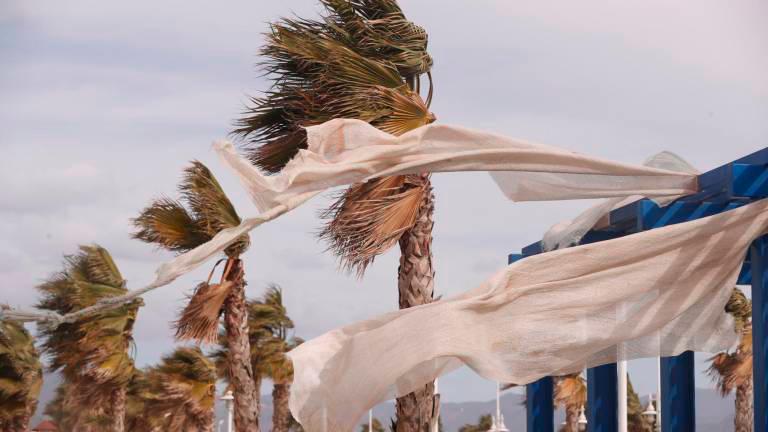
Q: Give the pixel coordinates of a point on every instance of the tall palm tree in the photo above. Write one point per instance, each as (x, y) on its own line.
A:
(363, 60)
(182, 391)
(92, 353)
(21, 376)
(570, 392)
(174, 227)
(268, 326)
(733, 370)
(636, 421)
(69, 415)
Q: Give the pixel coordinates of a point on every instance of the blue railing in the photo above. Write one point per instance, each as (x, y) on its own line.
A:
(727, 187)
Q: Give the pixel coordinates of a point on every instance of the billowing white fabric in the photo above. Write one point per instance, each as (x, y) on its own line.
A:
(343, 151)
(660, 292)
(570, 232)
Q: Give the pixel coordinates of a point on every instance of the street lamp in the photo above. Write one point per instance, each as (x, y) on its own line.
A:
(498, 420)
(228, 398)
(582, 419)
(650, 412)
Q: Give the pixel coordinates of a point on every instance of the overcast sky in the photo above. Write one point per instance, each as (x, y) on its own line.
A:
(103, 103)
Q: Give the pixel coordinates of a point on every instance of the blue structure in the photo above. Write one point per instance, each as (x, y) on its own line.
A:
(727, 187)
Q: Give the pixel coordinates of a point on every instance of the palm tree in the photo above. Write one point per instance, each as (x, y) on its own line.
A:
(733, 370)
(268, 326)
(363, 60)
(64, 410)
(636, 421)
(21, 376)
(92, 353)
(174, 227)
(375, 426)
(483, 424)
(182, 391)
(571, 393)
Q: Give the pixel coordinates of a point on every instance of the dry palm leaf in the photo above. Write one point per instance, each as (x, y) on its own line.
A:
(199, 320)
(369, 218)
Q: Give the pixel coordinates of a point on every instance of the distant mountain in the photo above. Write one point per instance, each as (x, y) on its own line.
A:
(713, 413)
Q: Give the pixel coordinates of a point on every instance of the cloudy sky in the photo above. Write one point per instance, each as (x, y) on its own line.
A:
(103, 103)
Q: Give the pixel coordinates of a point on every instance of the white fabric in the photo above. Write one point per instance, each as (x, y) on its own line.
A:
(570, 232)
(343, 151)
(661, 292)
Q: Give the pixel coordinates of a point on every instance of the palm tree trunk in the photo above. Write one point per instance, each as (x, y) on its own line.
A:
(281, 415)
(571, 418)
(117, 402)
(743, 419)
(415, 411)
(238, 344)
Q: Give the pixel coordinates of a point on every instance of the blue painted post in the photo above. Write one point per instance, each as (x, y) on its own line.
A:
(539, 408)
(602, 399)
(759, 258)
(678, 393)
(539, 403)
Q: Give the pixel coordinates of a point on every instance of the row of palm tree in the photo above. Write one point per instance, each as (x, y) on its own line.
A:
(101, 388)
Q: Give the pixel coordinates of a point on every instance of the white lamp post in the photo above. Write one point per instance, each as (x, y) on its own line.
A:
(650, 412)
(498, 420)
(228, 398)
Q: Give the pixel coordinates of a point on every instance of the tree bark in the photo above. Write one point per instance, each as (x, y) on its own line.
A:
(415, 411)
(117, 403)
(571, 418)
(744, 415)
(281, 415)
(238, 344)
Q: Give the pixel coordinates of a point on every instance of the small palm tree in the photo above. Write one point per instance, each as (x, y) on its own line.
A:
(182, 391)
(92, 353)
(483, 424)
(172, 226)
(733, 370)
(363, 60)
(636, 421)
(21, 376)
(570, 393)
(375, 426)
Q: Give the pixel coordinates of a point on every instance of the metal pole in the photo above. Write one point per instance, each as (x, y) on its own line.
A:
(658, 394)
(622, 371)
(370, 420)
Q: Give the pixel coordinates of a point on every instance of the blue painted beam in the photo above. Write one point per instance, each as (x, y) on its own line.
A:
(602, 399)
(759, 254)
(678, 393)
(539, 406)
(539, 402)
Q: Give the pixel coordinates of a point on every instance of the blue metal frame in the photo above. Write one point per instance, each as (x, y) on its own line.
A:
(727, 187)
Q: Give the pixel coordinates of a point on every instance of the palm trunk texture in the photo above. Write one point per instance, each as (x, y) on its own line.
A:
(281, 415)
(416, 411)
(119, 397)
(238, 344)
(743, 419)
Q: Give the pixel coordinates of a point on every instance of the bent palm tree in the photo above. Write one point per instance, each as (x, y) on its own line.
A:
(182, 391)
(484, 424)
(172, 226)
(363, 61)
(21, 376)
(91, 353)
(733, 370)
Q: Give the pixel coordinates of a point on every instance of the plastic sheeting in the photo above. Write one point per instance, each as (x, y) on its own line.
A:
(660, 292)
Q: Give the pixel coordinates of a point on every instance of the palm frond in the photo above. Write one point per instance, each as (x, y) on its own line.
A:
(199, 320)
(369, 218)
(167, 223)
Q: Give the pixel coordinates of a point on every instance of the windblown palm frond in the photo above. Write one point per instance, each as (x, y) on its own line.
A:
(570, 390)
(92, 353)
(355, 63)
(182, 391)
(21, 375)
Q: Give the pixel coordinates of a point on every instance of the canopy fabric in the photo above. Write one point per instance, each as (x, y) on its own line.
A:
(343, 151)
(659, 292)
